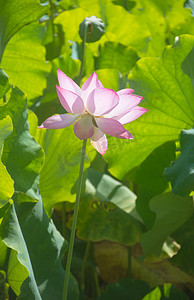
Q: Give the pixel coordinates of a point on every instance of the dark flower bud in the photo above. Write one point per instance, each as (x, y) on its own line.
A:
(94, 28)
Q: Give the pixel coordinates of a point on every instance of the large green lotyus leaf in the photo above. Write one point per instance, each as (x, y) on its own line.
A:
(109, 190)
(34, 266)
(61, 167)
(22, 156)
(6, 128)
(107, 211)
(6, 182)
(172, 211)
(12, 236)
(116, 56)
(150, 180)
(24, 61)
(181, 172)
(4, 84)
(148, 26)
(14, 14)
(168, 95)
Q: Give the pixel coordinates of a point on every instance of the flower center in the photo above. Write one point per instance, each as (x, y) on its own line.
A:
(94, 122)
(93, 117)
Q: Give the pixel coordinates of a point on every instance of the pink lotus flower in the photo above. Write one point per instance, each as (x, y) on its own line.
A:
(95, 110)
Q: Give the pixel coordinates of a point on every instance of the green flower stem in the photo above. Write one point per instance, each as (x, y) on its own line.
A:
(83, 56)
(83, 270)
(72, 237)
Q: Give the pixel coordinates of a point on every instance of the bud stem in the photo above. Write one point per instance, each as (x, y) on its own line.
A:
(53, 27)
(83, 54)
(72, 237)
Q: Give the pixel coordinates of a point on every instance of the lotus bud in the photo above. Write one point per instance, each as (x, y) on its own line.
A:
(94, 28)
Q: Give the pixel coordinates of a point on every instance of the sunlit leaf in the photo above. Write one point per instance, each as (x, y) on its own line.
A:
(6, 182)
(153, 295)
(14, 15)
(61, 167)
(106, 189)
(164, 20)
(3, 249)
(161, 21)
(66, 64)
(24, 61)
(168, 94)
(22, 156)
(17, 273)
(180, 20)
(151, 40)
(110, 78)
(171, 292)
(148, 28)
(70, 20)
(116, 56)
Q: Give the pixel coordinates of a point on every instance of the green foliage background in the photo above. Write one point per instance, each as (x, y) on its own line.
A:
(135, 224)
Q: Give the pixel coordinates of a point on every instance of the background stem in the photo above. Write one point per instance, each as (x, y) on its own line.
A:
(129, 261)
(64, 231)
(83, 270)
(96, 282)
(72, 237)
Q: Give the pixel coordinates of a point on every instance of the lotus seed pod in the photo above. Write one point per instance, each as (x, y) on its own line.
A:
(95, 29)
